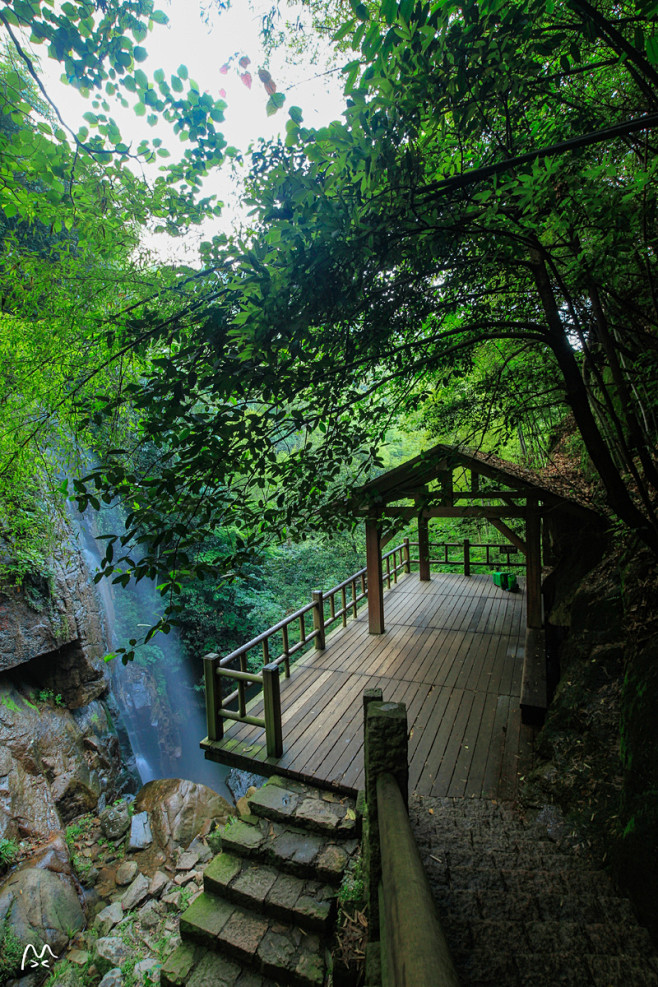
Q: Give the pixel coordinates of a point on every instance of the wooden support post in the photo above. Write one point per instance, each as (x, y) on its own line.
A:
(407, 556)
(215, 725)
(467, 557)
(475, 482)
(272, 710)
(375, 584)
(318, 619)
(423, 548)
(533, 562)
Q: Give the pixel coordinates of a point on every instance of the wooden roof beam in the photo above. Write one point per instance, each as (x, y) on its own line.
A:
(484, 512)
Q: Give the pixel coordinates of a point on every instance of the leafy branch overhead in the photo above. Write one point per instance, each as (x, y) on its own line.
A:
(477, 233)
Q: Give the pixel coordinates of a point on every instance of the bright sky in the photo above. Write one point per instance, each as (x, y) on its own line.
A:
(204, 47)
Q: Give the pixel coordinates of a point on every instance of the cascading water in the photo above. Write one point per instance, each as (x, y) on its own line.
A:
(156, 694)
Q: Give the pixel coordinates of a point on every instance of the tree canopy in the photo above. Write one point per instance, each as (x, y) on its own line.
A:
(487, 201)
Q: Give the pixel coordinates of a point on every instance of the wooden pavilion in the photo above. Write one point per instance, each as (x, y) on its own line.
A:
(467, 658)
(449, 481)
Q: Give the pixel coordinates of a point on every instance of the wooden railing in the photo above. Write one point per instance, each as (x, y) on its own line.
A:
(343, 600)
(401, 562)
(402, 917)
(465, 557)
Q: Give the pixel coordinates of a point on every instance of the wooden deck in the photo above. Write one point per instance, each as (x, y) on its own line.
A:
(452, 652)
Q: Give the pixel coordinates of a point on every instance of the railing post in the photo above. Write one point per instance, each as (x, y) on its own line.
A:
(213, 686)
(286, 649)
(272, 710)
(467, 557)
(384, 749)
(407, 556)
(318, 619)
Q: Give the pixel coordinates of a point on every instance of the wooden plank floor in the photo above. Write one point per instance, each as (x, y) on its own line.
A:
(452, 652)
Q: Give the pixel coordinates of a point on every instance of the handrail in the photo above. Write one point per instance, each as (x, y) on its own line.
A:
(218, 706)
(416, 952)
(466, 560)
(402, 918)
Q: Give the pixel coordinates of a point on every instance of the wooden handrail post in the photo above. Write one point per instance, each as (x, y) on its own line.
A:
(407, 556)
(384, 749)
(213, 686)
(286, 649)
(318, 619)
(467, 557)
(272, 710)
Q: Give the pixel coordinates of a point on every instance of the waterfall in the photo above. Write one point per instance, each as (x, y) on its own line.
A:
(157, 694)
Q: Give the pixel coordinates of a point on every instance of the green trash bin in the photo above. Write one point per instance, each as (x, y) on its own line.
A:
(505, 580)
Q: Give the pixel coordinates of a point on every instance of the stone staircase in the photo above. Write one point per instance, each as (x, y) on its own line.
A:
(267, 910)
(521, 905)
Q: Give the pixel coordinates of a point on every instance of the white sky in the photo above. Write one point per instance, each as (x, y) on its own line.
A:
(204, 47)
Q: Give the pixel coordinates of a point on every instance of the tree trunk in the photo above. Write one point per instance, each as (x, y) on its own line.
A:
(617, 493)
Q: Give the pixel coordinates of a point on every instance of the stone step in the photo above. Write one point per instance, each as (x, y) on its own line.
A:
(458, 904)
(287, 801)
(307, 903)
(266, 946)
(290, 849)
(566, 968)
(197, 966)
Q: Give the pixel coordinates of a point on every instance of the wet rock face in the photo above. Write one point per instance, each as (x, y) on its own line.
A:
(59, 624)
(54, 762)
(179, 810)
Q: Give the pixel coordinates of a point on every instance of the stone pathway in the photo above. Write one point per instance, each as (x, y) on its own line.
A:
(268, 904)
(519, 907)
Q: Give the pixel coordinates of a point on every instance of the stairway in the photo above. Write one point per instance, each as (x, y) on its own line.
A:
(520, 903)
(267, 910)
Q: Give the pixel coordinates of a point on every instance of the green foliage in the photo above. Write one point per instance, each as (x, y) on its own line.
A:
(272, 583)
(11, 953)
(352, 887)
(9, 850)
(47, 696)
(436, 243)
(439, 252)
(77, 829)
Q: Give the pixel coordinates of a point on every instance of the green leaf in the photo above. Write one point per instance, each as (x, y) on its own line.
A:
(182, 71)
(140, 54)
(652, 49)
(278, 99)
(388, 10)
(140, 109)
(159, 17)
(296, 114)
(343, 31)
(406, 10)
(176, 84)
